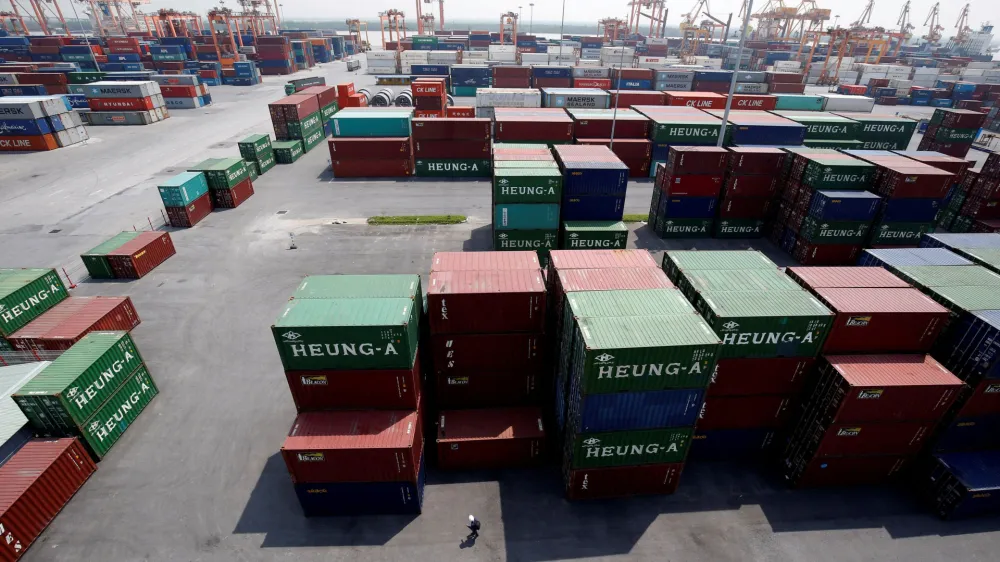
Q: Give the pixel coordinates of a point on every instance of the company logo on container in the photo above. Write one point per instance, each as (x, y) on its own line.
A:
(604, 358)
(858, 321)
(595, 451)
(849, 432)
(291, 336)
(873, 394)
(9, 539)
(311, 457)
(992, 389)
(731, 326)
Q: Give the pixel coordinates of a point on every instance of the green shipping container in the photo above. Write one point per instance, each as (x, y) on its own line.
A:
(836, 144)
(823, 125)
(837, 172)
(287, 152)
(109, 423)
(695, 282)
(899, 233)
(96, 259)
(68, 392)
(71, 57)
(366, 333)
(585, 235)
(527, 185)
(464, 91)
(361, 286)
(223, 173)
(371, 122)
(629, 448)
(548, 164)
(961, 224)
(628, 354)
(25, 294)
(255, 146)
(965, 298)
(987, 257)
(313, 140)
(301, 129)
(540, 240)
(944, 219)
(265, 163)
(739, 228)
(85, 77)
(169, 57)
(691, 129)
(945, 134)
(768, 324)
(517, 216)
(875, 144)
(882, 127)
(676, 262)
(252, 170)
(481, 168)
(798, 102)
(834, 232)
(682, 228)
(928, 276)
(327, 111)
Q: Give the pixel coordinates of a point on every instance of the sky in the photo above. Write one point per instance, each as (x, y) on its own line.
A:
(885, 13)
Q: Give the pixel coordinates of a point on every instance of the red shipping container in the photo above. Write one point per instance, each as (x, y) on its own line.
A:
(29, 143)
(451, 129)
(67, 322)
(35, 484)
(345, 90)
(295, 107)
(461, 302)
(428, 88)
(48, 78)
(848, 471)
(354, 446)
(504, 82)
(626, 149)
(122, 42)
(449, 149)
(370, 148)
(390, 389)
(489, 389)
(783, 78)
(753, 102)
(843, 440)
(490, 438)
(923, 181)
(383, 168)
(600, 128)
(124, 50)
(533, 128)
(981, 400)
(637, 168)
(436, 103)
(744, 412)
(623, 481)
(845, 277)
(429, 113)
(550, 82)
(503, 71)
(750, 377)
(696, 160)
(690, 185)
(632, 74)
(208, 74)
(700, 100)
(121, 104)
(786, 88)
(881, 320)
(186, 217)
(179, 91)
(825, 254)
(140, 256)
(460, 112)
(505, 353)
(751, 186)
(744, 207)
(981, 209)
(484, 261)
(598, 83)
(274, 52)
(232, 198)
(325, 95)
(560, 260)
(628, 98)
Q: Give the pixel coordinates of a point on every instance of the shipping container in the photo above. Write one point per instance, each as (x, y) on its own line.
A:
(626, 448)
(109, 423)
(677, 262)
(484, 261)
(624, 411)
(380, 389)
(96, 260)
(490, 438)
(745, 412)
(492, 387)
(594, 234)
(624, 481)
(354, 446)
(72, 319)
(136, 258)
(467, 353)
(959, 485)
(35, 485)
(845, 277)
(25, 294)
(190, 215)
(891, 258)
(881, 320)
(694, 282)
(750, 377)
(732, 444)
(768, 324)
(843, 471)
(486, 301)
(850, 439)
(14, 428)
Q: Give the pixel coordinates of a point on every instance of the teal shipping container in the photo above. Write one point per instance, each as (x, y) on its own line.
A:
(800, 102)
(371, 122)
(183, 189)
(522, 216)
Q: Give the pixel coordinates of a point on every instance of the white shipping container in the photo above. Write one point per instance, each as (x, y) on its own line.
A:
(591, 72)
(926, 71)
(899, 68)
(562, 59)
(72, 135)
(973, 72)
(131, 89)
(590, 53)
(502, 49)
(898, 75)
(504, 57)
(484, 112)
(975, 79)
(590, 63)
(475, 55)
(787, 65)
(534, 58)
(8, 79)
(382, 55)
(838, 102)
(980, 64)
(508, 97)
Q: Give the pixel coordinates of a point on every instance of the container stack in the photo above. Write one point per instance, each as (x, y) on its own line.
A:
(327, 97)
(685, 126)
(487, 322)
(94, 391)
(550, 126)
(430, 97)
(511, 76)
(450, 147)
(257, 151)
(594, 183)
(748, 193)
(356, 446)
(952, 131)
(467, 79)
(371, 143)
(881, 131)
(742, 295)
(31, 123)
(488, 99)
(298, 117)
(129, 255)
(183, 91)
(274, 55)
(527, 193)
(124, 103)
(40, 289)
(686, 191)
(631, 135)
(826, 130)
(186, 199)
(69, 321)
(953, 200)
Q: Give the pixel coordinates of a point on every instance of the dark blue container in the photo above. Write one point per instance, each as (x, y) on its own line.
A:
(128, 57)
(551, 72)
(626, 84)
(166, 50)
(660, 151)
(941, 102)
(23, 90)
(14, 50)
(78, 101)
(428, 69)
(959, 96)
(238, 81)
(713, 75)
(969, 434)
(623, 411)
(362, 498)
(730, 444)
(14, 41)
(187, 40)
(960, 240)
(593, 207)
(74, 50)
(897, 257)
(971, 347)
(594, 178)
(964, 484)
(788, 240)
(791, 134)
(208, 56)
(14, 444)
(687, 207)
(910, 210)
(44, 57)
(274, 63)
(244, 69)
(844, 205)
(921, 101)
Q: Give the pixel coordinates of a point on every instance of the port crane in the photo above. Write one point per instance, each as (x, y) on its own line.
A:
(392, 21)
(17, 26)
(934, 24)
(612, 28)
(657, 16)
(962, 26)
(866, 16)
(425, 22)
(508, 24)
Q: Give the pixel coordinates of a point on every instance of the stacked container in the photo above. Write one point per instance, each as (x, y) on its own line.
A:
(952, 131)
(684, 126)
(630, 133)
(25, 294)
(751, 182)
(371, 142)
(527, 192)
(981, 205)
(327, 98)
(750, 304)
(686, 191)
(69, 321)
(186, 199)
(274, 55)
(451, 147)
(594, 183)
(124, 103)
(298, 117)
(511, 76)
(957, 193)
(430, 97)
(348, 345)
(881, 131)
(258, 152)
(38, 123)
(228, 179)
(549, 125)
(487, 320)
(826, 130)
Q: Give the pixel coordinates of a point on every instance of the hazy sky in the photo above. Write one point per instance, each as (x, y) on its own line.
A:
(885, 13)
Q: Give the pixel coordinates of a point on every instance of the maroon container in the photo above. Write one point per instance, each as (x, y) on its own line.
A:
(489, 388)
(502, 71)
(35, 484)
(623, 481)
(941, 161)
(690, 185)
(490, 438)
(756, 160)
(825, 254)
(628, 98)
(510, 82)
(744, 412)
(786, 88)
(354, 446)
(600, 128)
(363, 148)
(753, 102)
(450, 149)
(783, 78)
(325, 95)
(451, 128)
(392, 389)
(626, 149)
(510, 353)
(696, 160)
(186, 217)
(849, 440)
(848, 471)
(72, 319)
(978, 208)
(744, 207)
(551, 82)
(514, 129)
(273, 52)
(913, 182)
(383, 168)
(295, 107)
(986, 226)
(600, 259)
(981, 400)
(881, 320)
(751, 186)
(637, 168)
(962, 118)
(464, 302)
(845, 277)
(631, 74)
(750, 377)
(234, 197)
(484, 261)
(710, 86)
(139, 256)
(432, 103)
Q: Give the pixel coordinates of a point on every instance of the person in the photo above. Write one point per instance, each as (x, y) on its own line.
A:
(474, 526)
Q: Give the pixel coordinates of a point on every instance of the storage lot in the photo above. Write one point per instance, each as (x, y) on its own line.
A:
(199, 476)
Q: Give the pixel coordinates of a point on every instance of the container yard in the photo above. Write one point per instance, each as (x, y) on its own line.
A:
(334, 295)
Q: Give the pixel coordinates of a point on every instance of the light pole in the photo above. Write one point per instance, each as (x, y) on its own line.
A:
(835, 20)
(562, 24)
(531, 16)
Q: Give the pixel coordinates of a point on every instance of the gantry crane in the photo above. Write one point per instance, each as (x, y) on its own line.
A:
(774, 19)
(425, 22)
(934, 24)
(866, 16)
(962, 26)
(171, 23)
(392, 21)
(904, 20)
(612, 28)
(16, 26)
(694, 31)
(41, 15)
(354, 29)
(508, 22)
(657, 16)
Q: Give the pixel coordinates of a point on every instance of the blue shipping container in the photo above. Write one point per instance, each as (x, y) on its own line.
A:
(788, 240)
(623, 411)
(23, 91)
(687, 207)
(128, 57)
(897, 257)
(966, 484)
(428, 69)
(969, 434)
(789, 135)
(551, 72)
(971, 347)
(910, 210)
(730, 444)
(522, 216)
(940, 102)
(362, 498)
(844, 205)
(15, 442)
(593, 207)
(959, 240)
(594, 178)
(77, 101)
(660, 152)
(624, 84)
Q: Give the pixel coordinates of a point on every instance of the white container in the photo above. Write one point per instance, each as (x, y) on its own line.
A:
(121, 89)
(484, 112)
(787, 65)
(8, 79)
(973, 72)
(926, 71)
(475, 56)
(72, 135)
(534, 58)
(899, 68)
(562, 59)
(590, 63)
(591, 72)
(508, 97)
(980, 64)
(838, 102)
(505, 49)
(594, 54)
(585, 98)
(382, 55)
